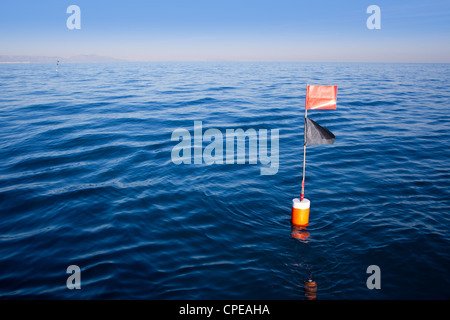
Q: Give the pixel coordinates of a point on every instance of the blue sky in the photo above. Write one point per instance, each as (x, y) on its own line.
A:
(245, 30)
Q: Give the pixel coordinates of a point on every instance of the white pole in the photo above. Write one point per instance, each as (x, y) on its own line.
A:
(304, 161)
(304, 150)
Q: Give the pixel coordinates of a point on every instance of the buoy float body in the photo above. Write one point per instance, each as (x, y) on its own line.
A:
(300, 212)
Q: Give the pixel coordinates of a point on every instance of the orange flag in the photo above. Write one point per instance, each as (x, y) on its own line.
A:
(321, 97)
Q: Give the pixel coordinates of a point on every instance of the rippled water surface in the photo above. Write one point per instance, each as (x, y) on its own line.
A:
(86, 178)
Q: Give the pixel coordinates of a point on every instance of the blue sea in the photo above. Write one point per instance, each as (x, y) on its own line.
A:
(87, 179)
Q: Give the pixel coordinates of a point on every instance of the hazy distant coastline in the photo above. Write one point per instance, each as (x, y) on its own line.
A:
(49, 59)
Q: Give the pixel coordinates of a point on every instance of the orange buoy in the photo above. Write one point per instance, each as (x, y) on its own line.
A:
(310, 289)
(300, 212)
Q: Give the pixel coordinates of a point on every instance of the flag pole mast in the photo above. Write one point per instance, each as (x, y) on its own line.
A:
(304, 149)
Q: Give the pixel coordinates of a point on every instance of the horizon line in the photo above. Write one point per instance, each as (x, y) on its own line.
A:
(96, 58)
(221, 61)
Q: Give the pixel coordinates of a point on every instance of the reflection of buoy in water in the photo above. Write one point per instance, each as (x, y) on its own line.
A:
(310, 289)
(300, 212)
(300, 233)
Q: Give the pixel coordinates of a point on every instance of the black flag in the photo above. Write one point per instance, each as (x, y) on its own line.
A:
(316, 135)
